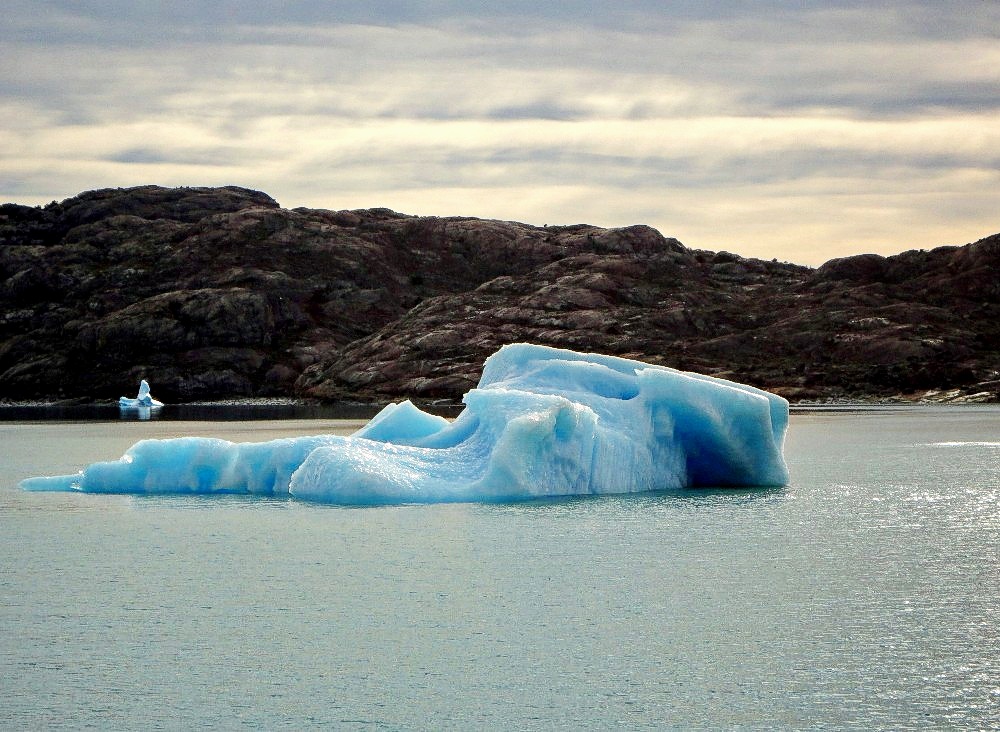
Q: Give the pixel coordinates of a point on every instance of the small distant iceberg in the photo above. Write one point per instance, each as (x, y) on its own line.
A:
(143, 400)
(542, 422)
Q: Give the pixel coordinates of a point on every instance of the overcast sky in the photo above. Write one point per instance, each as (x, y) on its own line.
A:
(796, 130)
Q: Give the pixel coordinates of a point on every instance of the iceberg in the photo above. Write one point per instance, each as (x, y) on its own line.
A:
(142, 400)
(541, 422)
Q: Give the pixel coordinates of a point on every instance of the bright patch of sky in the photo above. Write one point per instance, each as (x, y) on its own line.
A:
(799, 131)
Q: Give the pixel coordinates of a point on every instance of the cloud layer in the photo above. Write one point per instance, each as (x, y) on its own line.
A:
(788, 130)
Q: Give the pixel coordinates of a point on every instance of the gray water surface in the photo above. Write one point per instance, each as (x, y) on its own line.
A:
(865, 595)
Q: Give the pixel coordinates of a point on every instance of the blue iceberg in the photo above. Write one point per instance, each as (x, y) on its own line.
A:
(143, 400)
(542, 422)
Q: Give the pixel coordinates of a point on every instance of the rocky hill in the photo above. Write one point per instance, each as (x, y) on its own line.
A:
(221, 293)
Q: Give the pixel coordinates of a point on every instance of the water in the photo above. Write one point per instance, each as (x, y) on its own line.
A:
(864, 596)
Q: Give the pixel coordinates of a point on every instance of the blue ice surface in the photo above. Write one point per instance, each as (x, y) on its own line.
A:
(542, 422)
(142, 400)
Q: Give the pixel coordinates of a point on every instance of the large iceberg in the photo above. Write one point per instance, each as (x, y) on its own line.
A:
(542, 422)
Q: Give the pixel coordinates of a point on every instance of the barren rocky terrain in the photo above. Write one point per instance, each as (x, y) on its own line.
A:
(221, 293)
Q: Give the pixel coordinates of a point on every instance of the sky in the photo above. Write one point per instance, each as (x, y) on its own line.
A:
(800, 131)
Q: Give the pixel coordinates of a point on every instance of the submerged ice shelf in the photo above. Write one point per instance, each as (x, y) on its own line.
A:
(542, 422)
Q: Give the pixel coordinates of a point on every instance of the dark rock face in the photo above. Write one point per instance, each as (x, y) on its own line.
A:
(219, 292)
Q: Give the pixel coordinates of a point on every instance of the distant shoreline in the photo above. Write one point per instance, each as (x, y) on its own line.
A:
(220, 291)
(374, 407)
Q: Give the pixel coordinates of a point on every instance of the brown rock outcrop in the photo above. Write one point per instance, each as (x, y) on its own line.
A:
(220, 292)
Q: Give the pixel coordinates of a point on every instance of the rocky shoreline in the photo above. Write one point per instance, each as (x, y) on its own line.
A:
(220, 293)
(952, 397)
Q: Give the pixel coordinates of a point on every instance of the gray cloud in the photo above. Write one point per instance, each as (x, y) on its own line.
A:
(778, 57)
(550, 166)
(103, 20)
(766, 119)
(182, 156)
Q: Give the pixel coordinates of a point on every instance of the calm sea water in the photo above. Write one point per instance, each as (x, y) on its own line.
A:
(865, 595)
